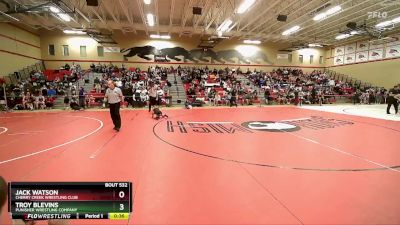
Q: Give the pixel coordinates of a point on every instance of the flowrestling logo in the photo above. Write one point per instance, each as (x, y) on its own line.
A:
(291, 125)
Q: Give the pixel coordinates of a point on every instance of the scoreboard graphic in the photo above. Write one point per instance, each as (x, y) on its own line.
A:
(70, 200)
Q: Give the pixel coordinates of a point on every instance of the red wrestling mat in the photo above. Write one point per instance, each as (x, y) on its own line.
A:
(271, 165)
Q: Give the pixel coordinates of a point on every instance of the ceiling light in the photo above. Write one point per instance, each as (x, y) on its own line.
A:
(231, 27)
(225, 25)
(388, 22)
(291, 30)
(384, 24)
(74, 32)
(245, 6)
(165, 37)
(64, 17)
(147, 2)
(156, 36)
(333, 10)
(252, 42)
(54, 9)
(342, 36)
(396, 20)
(324, 15)
(319, 16)
(314, 45)
(150, 19)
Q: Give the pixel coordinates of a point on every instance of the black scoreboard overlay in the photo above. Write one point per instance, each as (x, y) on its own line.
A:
(70, 200)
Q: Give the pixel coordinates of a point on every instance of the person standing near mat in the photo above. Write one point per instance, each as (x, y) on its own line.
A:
(3, 193)
(114, 98)
(152, 94)
(393, 99)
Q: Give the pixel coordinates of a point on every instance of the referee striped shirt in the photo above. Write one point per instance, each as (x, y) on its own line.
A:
(113, 95)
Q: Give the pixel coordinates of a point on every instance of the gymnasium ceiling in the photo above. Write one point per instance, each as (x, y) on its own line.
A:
(175, 17)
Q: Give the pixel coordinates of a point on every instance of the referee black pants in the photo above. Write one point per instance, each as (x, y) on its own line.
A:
(114, 112)
(394, 103)
(152, 102)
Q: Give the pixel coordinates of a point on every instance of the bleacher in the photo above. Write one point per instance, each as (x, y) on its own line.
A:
(96, 99)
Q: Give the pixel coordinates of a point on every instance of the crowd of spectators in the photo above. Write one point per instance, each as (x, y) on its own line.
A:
(218, 87)
(292, 86)
(39, 91)
(203, 85)
(133, 82)
(281, 86)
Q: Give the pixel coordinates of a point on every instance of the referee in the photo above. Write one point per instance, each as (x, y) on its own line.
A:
(152, 94)
(114, 96)
(393, 98)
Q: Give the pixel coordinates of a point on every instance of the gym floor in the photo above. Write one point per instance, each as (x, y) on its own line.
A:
(253, 165)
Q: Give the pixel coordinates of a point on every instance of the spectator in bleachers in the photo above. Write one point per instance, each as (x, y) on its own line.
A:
(67, 67)
(74, 104)
(232, 97)
(267, 95)
(66, 101)
(127, 91)
(82, 97)
(49, 102)
(40, 101)
(44, 90)
(27, 101)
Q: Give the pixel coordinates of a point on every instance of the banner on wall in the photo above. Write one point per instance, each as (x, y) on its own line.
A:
(362, 56)
(375, 46)
(349, 58)
(392, 51)
(338, 60)
(362, 46)
(351, 48)
(245, 55)
(112, 49)
(339, 50)
(375, 54)
(282, 56)
(394, 42)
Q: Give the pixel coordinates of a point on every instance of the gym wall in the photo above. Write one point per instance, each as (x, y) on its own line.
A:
(384, 72)
(19, 48)
(270, 50)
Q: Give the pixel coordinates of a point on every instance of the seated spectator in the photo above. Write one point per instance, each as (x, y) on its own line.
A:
(27, 101)
(44, 91)
(74, 104)
(49, 102)
(40, 101)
